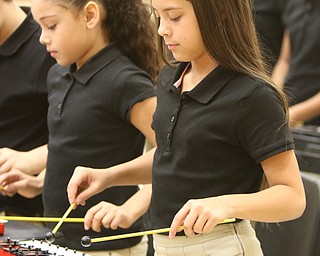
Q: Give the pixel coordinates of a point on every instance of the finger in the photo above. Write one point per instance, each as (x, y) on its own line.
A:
(78, 188)
(199, 223)
(108, 220)
(118, 220)
(102, 215)
(74, 185)
(78, 197)
(3, 179)
(84, 195)
(22, 188)
(15, 181)
(189, 223)
(106, 214)
(8, 178)
(88, 218)
(122, 220)
(178, 220)
(209, 225)
(5, 167)
(72, 191)
(8, 191)
(11, 188)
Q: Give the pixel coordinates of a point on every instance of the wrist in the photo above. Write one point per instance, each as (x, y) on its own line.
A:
(34, 163)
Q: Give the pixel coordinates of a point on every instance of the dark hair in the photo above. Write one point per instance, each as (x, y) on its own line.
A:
(230, 38)
(228, 33)
(129, 23)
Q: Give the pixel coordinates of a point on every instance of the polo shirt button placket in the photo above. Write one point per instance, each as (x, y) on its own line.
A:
(168, 137)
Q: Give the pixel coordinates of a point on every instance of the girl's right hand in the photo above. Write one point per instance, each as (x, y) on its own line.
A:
(84, 183)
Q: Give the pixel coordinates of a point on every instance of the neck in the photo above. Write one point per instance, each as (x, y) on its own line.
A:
(201, 67)
(99, 41)
(13, 17)
(197, 71)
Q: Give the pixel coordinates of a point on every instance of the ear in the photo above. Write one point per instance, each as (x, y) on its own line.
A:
(92, 14)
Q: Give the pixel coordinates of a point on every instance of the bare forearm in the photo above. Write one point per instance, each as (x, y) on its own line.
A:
(37, 159)
(36, 185)
(281, 68)
(86, 182)
(135, 172)
(279, 74)
(138, 204)
(275, 204)
(305, 110)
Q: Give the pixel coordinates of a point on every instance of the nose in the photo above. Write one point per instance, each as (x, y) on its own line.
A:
(44, 39)
(163, 29)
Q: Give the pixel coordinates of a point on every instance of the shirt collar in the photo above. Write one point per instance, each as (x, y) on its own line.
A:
(22, 34)
(179, 81)
(93, 65)
(207, 88)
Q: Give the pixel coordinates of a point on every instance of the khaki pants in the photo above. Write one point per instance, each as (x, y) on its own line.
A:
(138, 250)
(236, 239)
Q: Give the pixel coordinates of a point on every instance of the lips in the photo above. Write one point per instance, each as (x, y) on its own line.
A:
(171, 46)
(52, 53)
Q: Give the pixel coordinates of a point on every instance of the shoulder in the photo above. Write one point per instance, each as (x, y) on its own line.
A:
(249, 85)
(118, 67)
(125, 74)
(250, 93)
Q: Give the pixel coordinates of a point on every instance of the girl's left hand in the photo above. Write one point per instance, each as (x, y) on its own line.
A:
(199, 216)
(107, 215)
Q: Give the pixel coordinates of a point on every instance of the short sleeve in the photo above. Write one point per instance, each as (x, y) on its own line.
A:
(133, 86)
(261, 126)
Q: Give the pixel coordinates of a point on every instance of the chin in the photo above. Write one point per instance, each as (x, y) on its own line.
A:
(63, 62)
(180, 58)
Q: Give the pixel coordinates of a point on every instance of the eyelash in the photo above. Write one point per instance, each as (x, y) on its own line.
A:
(175, 19)
(171, 19)
(51, 27)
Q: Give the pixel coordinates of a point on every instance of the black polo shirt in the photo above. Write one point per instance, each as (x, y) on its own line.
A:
(302, 18)
(270, 27)
(211, 140)
(24, 64)
(89, 125)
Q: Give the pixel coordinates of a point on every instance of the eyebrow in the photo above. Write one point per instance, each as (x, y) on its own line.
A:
(172, 8)
(169, 9)
(46, 17)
